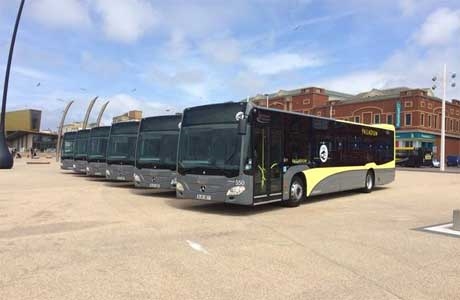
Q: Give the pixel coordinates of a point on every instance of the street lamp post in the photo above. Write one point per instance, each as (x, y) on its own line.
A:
(443, 115)
(6, 160)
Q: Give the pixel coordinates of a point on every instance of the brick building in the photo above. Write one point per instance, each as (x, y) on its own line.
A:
(416, 113)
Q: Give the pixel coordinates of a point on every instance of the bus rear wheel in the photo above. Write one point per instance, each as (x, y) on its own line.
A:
(369, 182)
(296, 192)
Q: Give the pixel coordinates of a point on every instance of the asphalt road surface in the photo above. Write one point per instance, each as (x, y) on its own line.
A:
(65, 236)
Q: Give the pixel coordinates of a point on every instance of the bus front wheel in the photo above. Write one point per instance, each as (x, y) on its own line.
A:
(369, 182)
(296, 192)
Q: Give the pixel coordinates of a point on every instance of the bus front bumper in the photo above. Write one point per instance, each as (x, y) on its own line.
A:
(155, 179)
(96, 169)
(119, 172)
(67, 164)
(79, 166)
(215, 188)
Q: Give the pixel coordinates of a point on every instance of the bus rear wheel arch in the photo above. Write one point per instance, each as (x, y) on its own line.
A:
(297, 190)
(369, 181)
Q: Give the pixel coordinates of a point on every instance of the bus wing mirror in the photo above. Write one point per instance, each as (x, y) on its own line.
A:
(242, 122)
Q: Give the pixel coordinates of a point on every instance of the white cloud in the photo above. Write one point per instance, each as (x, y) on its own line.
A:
(248, 83)
(177, 46)
(441, 27)
(30, 72)
(100, 66)
(275, 63)
(357, 82)
(122, 103)
(197, 19)
(408, 7)
(126, 20)
(60, 13)
(172, 78)
(223, 50)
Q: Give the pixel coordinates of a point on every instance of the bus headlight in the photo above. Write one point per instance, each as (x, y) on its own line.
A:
(179, 187)
(87, 169)
(236, 190)
(74, 166)
(174, 181)
(107, 173)
(137, 178)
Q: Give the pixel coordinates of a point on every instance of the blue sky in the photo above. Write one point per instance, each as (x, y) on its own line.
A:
(162, 56)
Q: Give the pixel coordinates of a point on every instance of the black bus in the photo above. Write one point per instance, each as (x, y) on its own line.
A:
(121, 151)
(243, 154)
(67, 150)
(97, 150)
(81, 151)
(156, 153)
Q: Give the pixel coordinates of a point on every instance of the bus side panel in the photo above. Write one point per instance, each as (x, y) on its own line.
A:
(384, 176)
(329, 181)
(287, 178)
(324, 180)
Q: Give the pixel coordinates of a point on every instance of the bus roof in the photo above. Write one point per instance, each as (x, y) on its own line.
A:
(128, 127)
(380, 126)
(101, 131)
(161, 123)
(70, 134)
(221, 113)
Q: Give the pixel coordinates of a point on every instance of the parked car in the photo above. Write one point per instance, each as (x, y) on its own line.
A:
(453, 161)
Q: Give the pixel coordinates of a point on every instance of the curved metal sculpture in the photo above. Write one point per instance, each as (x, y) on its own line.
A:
(101, 112)
(88, 111)
(6, 160)
(61, 126)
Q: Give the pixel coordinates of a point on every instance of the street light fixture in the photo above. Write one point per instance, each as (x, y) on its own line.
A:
(6, 159)
(443, 113)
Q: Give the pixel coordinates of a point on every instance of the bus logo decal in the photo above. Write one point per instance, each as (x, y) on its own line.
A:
(323, 153)
(203, 188)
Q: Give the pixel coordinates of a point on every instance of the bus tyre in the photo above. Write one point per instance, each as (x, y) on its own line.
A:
(369, 182)
(296, 192)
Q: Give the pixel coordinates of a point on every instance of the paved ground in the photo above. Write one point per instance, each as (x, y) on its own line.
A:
(63, 236)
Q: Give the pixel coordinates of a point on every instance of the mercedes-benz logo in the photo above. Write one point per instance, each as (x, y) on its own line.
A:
(203, 188)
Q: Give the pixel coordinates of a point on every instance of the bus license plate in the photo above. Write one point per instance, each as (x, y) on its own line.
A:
(203, 197)
(120, 177)
(97, 173)
(154, 185)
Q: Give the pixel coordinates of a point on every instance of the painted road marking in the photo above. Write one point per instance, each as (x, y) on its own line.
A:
(443, 228)
(197, 247)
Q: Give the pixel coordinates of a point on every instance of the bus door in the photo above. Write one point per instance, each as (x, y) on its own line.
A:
(268, 157)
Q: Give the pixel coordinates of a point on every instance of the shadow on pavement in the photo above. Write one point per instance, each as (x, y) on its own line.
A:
(242, 210)
(96, 179)
(153, 193)
(76, 174)
(119, 184)
(219, 208)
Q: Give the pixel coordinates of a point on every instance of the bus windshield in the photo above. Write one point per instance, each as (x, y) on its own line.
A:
(97, 147)
(157, 150)
(68, 146)
(81, 147)
(210, 149)
(121, 148)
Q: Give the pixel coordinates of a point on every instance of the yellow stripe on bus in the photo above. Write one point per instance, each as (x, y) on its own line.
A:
(316, 175)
